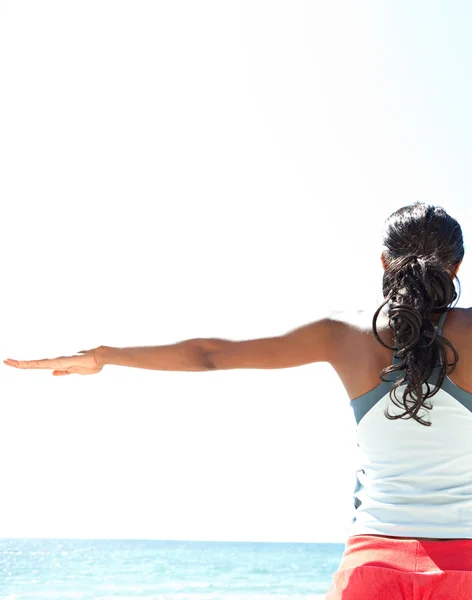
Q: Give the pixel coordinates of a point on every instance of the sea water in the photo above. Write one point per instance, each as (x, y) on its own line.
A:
(157, 570)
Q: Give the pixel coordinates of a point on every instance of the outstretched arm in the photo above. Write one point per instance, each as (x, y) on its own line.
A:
(315, 342)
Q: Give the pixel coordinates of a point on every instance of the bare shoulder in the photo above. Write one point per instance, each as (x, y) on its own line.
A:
(460, 320)
(358, 330)
(353, 319)
(468, 315)
(349, 328)
(358, 326)
(465, 314)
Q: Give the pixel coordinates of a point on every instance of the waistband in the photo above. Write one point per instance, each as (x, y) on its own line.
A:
(407, 554)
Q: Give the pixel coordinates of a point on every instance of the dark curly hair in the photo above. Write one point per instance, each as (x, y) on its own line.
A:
(423, 246)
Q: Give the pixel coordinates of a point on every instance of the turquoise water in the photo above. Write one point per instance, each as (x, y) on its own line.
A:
(158, 570)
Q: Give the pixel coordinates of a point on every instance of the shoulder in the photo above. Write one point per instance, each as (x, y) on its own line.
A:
(459, 320)
(353, 319)
(463, 315)
(348, 328)
(467, 315)
(357, 326)
(352, 334)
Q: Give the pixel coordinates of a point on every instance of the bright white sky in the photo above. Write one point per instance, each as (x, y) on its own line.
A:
(184, 169)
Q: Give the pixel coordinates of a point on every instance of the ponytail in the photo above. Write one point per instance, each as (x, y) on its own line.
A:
(416, 286)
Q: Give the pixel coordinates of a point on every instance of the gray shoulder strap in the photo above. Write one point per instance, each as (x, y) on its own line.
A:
(441, 322)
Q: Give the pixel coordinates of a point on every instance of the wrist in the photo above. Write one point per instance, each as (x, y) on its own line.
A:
(101, 355)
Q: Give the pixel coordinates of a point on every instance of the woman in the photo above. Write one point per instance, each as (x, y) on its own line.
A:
(411, 534)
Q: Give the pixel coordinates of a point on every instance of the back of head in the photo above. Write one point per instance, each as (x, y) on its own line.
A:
(423, 247)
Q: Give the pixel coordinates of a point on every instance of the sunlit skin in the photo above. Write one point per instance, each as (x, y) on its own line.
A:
(89, 362)
(83, 363)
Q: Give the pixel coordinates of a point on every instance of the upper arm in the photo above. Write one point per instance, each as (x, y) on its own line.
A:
(315, 342)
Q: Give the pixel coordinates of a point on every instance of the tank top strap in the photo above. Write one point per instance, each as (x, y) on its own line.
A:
(441, 322)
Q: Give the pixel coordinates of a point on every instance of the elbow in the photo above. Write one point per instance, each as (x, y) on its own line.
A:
(209, 365)
(201, 354)
(206, 361)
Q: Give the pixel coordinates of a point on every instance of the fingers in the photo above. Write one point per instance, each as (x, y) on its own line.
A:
(46, 363)
(23, 364)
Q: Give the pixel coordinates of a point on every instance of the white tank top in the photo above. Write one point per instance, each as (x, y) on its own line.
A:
(413, 480)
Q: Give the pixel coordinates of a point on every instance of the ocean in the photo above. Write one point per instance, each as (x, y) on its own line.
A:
(170, 570)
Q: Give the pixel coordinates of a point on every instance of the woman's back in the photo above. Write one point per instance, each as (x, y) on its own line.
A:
(412, 481)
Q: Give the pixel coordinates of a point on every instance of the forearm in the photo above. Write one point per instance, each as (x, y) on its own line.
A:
(189, 355)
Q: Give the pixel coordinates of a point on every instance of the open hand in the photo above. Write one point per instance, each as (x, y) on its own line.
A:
(84, 363)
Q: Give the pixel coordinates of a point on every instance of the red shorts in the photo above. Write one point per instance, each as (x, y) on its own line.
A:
(382, 568)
